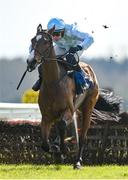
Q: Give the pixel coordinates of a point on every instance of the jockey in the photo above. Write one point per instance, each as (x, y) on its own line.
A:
(67, 38)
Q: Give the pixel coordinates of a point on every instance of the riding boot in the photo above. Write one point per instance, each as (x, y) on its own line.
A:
(37, 85)
(82, 82)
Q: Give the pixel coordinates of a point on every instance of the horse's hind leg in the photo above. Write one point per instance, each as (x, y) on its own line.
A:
(87, 108)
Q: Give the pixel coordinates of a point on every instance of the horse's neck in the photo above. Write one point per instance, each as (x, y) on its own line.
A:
(51, 70)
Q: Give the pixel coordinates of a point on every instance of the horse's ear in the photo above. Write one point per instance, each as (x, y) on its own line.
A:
(39, 28)
(51, 30)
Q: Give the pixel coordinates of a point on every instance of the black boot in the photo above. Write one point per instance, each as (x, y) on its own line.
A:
(37, 85)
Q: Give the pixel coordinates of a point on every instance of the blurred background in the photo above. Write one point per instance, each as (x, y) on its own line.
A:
(105, 20)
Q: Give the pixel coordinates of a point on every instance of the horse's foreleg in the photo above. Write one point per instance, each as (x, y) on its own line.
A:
(45, 130)
(62, 124)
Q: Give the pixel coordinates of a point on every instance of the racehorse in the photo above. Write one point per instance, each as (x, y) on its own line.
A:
(57, 99)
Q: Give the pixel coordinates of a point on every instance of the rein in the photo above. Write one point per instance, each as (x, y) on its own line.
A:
(47, 59)
(59, 59)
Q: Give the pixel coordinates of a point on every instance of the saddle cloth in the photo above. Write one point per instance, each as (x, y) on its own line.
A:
(82, 81)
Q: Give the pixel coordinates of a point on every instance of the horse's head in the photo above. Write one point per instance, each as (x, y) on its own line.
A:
(41, 45)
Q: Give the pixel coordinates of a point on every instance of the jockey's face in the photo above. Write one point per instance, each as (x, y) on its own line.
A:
(56, 36)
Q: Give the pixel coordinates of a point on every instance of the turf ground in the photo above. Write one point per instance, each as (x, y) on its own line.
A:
(62, 172)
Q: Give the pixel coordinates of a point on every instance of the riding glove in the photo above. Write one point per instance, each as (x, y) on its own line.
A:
(75, 49)
(31, 65)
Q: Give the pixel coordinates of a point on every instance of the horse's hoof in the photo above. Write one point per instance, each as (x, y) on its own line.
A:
(77, 166)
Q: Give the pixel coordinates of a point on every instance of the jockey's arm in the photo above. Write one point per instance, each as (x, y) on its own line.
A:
(85, 38)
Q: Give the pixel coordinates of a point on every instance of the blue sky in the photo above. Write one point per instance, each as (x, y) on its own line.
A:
(19, 19)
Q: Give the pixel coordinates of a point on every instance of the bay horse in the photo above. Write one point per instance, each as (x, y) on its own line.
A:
(57, 99)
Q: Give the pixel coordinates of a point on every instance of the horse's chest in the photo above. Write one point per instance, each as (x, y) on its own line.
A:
(54, 101)
(54, 98)
(53, 107)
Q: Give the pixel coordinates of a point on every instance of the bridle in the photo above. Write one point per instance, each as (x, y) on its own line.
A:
(44, 55)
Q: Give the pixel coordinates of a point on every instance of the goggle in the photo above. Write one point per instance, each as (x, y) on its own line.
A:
(56, 34)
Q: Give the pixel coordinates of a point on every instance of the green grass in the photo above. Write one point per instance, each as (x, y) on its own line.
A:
(62, 172)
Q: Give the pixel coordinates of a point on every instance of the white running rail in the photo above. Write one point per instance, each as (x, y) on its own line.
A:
(20, 111)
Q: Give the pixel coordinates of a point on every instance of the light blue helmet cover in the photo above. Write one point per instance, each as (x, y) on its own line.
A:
(59, 24)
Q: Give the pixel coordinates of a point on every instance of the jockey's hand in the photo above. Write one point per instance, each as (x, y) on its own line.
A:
(31, 65)
(75, 49)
